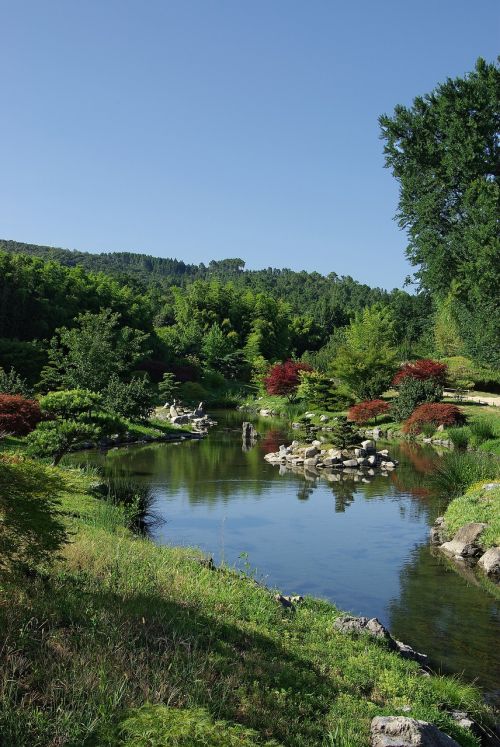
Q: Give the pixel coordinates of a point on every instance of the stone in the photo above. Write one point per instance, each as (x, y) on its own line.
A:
(173, 411)
(316, 443)
(372, 459)
(311, 451)
(368, 445)
(265, 413)
(464, 543)
(180, 420)
(359, 452)
(248, 432)
(384, 453)
(402, 731)
(350, 462)
(490, 563)
(438, 531)
(324, 418)
(377, 433)
(407, 652)
(462, 718)
(440, 428)
(311, 461)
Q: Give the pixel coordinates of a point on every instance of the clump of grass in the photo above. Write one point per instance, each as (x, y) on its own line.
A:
(480, 431)
(459, 437)
(457, 471)
(481, 503)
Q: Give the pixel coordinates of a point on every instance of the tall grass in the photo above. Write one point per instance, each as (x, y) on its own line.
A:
(481, 431)
(458, 471)
(459, 437)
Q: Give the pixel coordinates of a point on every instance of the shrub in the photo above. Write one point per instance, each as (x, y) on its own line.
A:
(343, 433)
(132, 399)
(283, 378)
(414, 392)
(18, 415)
(12, 383)
(422, 370)
(193, 392)
(321, 391)
(167, 388)
(365, 411)
(56, 437)
(433, 414)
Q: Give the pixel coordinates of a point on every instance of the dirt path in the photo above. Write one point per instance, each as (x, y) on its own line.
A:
(490, 399)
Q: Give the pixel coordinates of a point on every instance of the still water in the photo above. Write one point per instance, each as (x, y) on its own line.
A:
(363, 546)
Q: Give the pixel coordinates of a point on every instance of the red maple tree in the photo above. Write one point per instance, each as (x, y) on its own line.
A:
(283, 378)
(365, 411)
(422, 370)
(434, 413)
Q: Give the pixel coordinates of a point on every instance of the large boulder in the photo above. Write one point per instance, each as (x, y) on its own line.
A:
(490, 563)
(373, 626)
(311, 451)
(401, 731)
(465, 542)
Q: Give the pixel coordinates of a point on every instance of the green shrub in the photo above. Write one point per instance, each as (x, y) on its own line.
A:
(55, 438)
(134, 399)
(412, 393)
(12, 383)
(343, 432)
(167, 388)
(158, 726)
(192, 392)
(71, 403)
(480, 431)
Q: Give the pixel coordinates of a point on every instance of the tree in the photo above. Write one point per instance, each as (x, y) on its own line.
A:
(343, 433)
(56, 437)
(413, 392)
(370, 410)
(422, 370)
(366, 361)
(283, 378)
(444, 151)
(86, 355)
(18, 415)
(168, 387)
(320, 390)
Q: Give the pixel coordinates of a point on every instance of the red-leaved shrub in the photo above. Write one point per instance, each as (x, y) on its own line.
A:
(365, 411)
(433, 413)
(422, 370)
(283, 378)
(18, 415)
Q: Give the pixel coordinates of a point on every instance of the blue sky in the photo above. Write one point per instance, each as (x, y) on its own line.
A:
(203, 129)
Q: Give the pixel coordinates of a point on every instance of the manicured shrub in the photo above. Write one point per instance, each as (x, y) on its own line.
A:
(71, 403)
(55, 438)
(433, 414)
(422, 370)
(283, 378)
(321, 391)
(412, 393)
(369, 410)
(18, 415)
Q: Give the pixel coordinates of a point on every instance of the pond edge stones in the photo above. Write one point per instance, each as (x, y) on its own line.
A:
(401, 731)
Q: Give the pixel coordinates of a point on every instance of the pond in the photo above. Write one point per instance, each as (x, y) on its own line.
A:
(363, 546)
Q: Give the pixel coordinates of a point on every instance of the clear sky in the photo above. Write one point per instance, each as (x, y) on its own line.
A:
(204, 129)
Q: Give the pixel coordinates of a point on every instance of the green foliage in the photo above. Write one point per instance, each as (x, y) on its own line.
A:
(459, 437)
(31, 530)
(343, 432)
(412, 393)
(444, 153)
(71, 403)
(156, 726)
(321, 391)
(12, 383)
(366, 362)
(216, 346)
(446, 335)
(86, 355)
(134, 399)
(55, 438)
(192, 392)
(168, 387)
(457, 471)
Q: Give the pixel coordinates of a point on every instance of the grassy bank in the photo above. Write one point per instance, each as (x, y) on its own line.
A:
(100, 646)
(479, 504)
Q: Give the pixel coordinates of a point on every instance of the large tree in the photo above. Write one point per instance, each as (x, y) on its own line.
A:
(444, 151)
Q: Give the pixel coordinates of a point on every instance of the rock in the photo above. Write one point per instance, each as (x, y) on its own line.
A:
(296, 426)
(438, 531)
(173, 411)
(311, 451)
(372, 459)
(359, 452)
(464, 543)
(249, 433)
(311, 461)
(384, 453)
(401, 731)
(490, 563)
(316, 443)
(407, 652)
(265, 413)
(491, 486)
(368, 445)
(180, 420)
(335, 454)
(463, 720)
(350, 462)
(324, 418)
(440, 428)
(377, 433)
(373, 626)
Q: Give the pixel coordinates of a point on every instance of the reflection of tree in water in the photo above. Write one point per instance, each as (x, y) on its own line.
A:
(444, 615)
(272, 440)
(416, 465)
(305, 490)
(343, 493)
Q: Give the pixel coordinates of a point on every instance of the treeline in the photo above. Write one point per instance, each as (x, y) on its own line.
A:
(213, 323)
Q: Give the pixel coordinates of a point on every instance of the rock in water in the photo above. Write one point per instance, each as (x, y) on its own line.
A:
(400, 731)
(173, 412)
(490, 563)
(249, 433)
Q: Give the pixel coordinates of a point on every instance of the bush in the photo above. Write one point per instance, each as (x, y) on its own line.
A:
(18, 415)
(369, 410)
(412, 393)
(134, 399)
(433, 414)
(56, 437)
(167, 388)
(422, 370)
(343, 433)
(12, 383)
(480, 431)
(283, 378)
(192, 392)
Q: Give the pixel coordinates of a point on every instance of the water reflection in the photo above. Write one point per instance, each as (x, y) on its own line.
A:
(363, 545)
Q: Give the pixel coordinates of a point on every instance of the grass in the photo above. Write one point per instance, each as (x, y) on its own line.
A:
(457, 471)
(482, 431)
(122, 642)
(478, 504)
